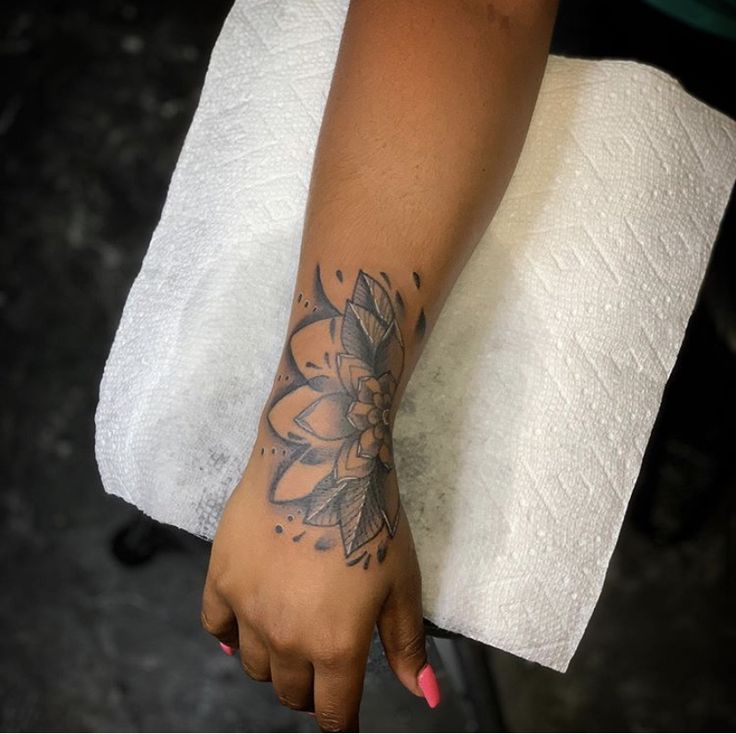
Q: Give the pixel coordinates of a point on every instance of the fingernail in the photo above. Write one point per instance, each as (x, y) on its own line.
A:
(427, 681)
(227, 649)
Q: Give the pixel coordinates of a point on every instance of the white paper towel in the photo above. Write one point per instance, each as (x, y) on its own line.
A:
(523, 428)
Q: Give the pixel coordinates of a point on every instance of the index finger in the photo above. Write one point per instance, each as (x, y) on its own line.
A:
(338, 688)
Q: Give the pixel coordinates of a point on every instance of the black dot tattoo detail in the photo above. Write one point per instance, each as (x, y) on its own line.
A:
(290, 518)
(417, 280)
(367, 562)
(338, 274)
(263, 451)
(355, 561)
(297, 538)
(323, 544)
(421, 326)
(279, 529)
(400, 304)
(299, 298)
(381, 552)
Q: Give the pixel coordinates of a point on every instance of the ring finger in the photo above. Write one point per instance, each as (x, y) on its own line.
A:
(293, 681)
(253, 653)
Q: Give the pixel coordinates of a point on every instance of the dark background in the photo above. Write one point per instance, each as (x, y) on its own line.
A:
(99, 609)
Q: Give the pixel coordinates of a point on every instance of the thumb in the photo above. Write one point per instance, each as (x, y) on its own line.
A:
(401, 628)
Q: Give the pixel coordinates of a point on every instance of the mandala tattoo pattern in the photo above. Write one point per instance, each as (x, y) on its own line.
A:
(337, 418)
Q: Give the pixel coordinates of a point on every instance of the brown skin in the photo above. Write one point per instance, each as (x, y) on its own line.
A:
(427, 113)
(303, 618)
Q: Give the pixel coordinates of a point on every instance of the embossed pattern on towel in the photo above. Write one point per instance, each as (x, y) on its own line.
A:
(523, 428)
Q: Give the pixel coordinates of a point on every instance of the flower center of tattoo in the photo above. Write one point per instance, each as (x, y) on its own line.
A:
(371, 413)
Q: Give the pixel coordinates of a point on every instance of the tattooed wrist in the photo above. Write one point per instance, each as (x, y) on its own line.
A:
(332, 412)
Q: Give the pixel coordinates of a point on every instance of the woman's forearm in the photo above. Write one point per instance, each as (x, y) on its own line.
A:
(427, 113)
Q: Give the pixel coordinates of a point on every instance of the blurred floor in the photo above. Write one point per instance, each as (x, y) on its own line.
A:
(97, 97)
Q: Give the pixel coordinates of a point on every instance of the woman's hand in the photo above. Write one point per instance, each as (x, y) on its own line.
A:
(313, 549)
(282, 592)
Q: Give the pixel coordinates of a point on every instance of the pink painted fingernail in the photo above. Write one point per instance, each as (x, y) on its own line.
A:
(227, 649)
(427, 681)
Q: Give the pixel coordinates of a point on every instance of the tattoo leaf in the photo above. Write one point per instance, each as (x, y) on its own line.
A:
(361, 517)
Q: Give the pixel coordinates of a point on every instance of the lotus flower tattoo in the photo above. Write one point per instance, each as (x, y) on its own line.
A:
(338, 419)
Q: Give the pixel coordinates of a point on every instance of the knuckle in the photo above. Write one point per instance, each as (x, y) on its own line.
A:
(280, 641)
(207, 624)
(215, 581)
(331, 720)
(290, 702)
(409, 647)
(340, 649)
(261, 676)
(337, 657)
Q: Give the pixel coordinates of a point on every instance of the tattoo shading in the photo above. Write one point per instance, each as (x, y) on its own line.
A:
(381, 552)
(355, 561)
(337, 418)
(421, 326)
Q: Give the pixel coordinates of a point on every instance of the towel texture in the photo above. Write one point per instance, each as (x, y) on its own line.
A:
(524, 425)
